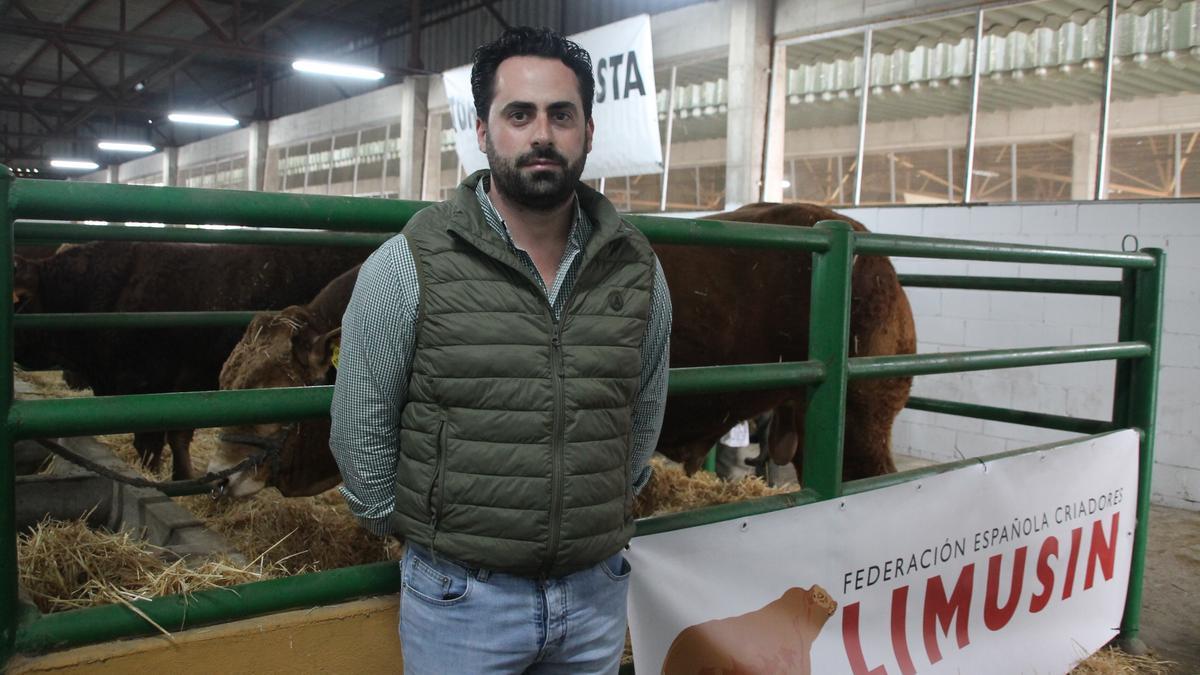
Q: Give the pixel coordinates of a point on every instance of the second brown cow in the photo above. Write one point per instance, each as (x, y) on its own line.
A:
(731, 306)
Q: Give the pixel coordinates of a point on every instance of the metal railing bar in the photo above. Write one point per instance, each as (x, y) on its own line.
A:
(145, 412)
(1010, 415)
(870, 367)
(70, 200)
(1063, 286)
(94, 320)
(750, 377)
(959, 249)
(44, 232)
(110, 622)
(692, 231)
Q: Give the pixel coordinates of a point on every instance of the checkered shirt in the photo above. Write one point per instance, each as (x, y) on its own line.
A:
(378, 337)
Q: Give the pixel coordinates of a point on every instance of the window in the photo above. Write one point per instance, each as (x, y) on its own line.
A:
(823, 84)
(349, 163)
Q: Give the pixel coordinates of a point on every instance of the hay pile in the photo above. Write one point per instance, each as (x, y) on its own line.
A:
(671, 490)
(66, 565)
(299, 534)
(1111, 661)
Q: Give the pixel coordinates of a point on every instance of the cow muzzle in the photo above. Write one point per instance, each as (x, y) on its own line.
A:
(262, 465)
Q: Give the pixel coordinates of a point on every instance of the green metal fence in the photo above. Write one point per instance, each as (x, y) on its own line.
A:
(351, 221)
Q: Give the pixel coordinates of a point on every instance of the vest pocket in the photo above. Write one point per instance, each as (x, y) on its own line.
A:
(434, 497)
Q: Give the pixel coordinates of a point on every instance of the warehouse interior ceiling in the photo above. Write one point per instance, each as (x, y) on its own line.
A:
(74, 71)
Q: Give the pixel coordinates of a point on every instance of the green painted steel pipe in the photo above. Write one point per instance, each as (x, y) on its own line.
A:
(874, 367)
(32, 199)
(750, 377)
(960, 249)
(57, 233)
(174, 613)
(1149, 288)
(9, 601)
(89, 321)
(723, 512)
(664, 230)
(1065, 286)
(1010, 415)
(146, 412)
(828, 340)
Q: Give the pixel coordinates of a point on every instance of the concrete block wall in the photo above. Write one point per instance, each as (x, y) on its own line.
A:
(955, 320)
(221, 146)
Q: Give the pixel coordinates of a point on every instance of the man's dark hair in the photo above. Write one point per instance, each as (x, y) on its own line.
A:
(527, 41)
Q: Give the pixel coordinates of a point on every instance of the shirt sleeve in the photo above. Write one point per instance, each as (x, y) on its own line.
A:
(652, 396)
(378, 331)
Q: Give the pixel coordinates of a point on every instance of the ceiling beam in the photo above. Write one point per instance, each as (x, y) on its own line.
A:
(66, 51)
(208, 21)
(487, 4)
(66, 104)
(20, 71)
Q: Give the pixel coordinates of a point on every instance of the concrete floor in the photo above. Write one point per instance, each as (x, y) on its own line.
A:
(1171, 596)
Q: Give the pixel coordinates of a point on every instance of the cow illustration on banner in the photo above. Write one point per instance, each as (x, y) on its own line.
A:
(1014, 564)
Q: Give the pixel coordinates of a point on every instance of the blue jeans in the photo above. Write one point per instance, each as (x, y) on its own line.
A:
(456, 620)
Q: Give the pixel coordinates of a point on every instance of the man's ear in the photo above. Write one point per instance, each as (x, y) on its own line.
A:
(589, 130)
(481, 134)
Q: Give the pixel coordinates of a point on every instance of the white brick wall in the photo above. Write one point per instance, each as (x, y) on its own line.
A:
(955, 320)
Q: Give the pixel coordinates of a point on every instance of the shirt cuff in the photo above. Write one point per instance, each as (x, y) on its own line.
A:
(642, 479)
(379, 526)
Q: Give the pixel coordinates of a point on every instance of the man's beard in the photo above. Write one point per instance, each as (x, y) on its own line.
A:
(538, 190)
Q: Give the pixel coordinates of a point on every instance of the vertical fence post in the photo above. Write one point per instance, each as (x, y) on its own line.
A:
(9, 606)
(1143, 404)
(1124, 367)
(828, 337)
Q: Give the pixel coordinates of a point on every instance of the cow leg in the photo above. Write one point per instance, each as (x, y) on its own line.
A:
(149, 446)
(871, 408)
(181, 458)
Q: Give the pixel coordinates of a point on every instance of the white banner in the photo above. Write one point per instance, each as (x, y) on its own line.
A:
(1018, 565)
(625, 110)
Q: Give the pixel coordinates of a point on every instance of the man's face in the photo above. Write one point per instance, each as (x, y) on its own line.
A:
(535, 137)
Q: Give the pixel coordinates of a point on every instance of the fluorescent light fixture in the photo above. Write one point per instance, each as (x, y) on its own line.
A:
(336, 69)
(118, 146)
(198, 118)
(74, 164)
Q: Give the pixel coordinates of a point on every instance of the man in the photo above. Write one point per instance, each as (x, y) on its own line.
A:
(501, 386)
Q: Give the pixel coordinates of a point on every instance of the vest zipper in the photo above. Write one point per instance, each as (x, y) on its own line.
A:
(556, 446)
(438, 483)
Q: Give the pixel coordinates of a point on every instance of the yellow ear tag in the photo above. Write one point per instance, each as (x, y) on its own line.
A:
(337, 352)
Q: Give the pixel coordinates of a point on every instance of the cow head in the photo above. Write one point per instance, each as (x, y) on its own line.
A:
(277, 350)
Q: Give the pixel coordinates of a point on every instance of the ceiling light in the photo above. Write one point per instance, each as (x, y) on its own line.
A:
(337, 69)
(74, 164)
(198, 118)
(118, 146)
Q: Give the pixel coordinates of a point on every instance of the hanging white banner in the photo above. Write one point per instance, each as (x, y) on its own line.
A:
(1017, 565)
(625, 110)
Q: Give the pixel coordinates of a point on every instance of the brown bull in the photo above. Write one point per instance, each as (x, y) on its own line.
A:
(149, 277)
(731, 306)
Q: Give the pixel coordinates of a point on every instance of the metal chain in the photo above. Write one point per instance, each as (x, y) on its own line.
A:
(136, 481)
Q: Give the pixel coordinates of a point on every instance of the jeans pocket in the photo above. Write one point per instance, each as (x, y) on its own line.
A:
(616, 567)
(440, 582)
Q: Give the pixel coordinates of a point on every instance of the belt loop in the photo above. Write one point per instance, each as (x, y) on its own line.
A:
(481, 575)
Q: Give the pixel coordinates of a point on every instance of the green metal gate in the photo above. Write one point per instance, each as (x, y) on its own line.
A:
(351, 221)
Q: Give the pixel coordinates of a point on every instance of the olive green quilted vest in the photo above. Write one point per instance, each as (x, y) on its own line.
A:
(515, 440)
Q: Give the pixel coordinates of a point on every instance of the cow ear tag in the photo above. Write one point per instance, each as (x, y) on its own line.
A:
(337, 352)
